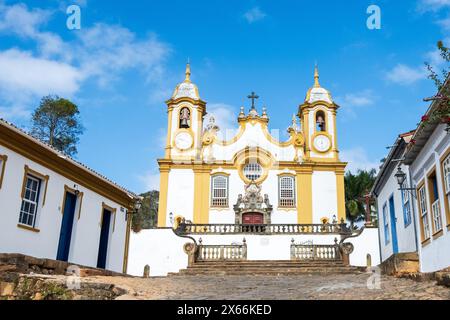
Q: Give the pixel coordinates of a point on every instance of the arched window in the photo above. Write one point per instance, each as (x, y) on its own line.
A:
(287, 191)
(185, 118)
(321, 124)
(219, 194)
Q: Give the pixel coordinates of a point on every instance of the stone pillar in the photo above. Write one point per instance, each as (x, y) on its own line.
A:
(146, 271)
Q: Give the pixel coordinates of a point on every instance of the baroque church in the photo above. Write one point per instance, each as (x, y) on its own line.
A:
(252, 178)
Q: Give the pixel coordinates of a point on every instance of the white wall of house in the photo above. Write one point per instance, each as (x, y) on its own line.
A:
(163, 251)
(405, 231)
(44, 244)
(434, 255)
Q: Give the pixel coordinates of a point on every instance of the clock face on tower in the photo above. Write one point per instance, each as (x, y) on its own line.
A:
(322, 143)
(183, 141)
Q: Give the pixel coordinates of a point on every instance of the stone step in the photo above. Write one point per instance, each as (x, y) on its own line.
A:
(263, 271)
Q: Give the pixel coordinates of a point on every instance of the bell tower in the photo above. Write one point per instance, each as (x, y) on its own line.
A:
(185, 112)
(318, 116)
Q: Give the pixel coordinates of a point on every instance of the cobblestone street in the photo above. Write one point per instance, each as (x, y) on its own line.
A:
(299, 287)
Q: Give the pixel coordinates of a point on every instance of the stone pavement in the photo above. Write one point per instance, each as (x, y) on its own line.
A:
(290, 287)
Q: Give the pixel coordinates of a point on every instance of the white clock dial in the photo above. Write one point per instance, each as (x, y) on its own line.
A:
(183, 141)
(322, 143)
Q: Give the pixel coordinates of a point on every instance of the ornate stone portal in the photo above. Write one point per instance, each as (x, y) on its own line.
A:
(253, 208)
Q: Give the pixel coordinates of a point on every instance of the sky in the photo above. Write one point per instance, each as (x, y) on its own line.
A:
(126, 59)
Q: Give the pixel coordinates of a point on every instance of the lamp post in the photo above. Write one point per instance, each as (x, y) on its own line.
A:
(401, 178)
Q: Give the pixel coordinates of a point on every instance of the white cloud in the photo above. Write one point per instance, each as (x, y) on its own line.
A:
(350, 102)
(225, 117)
(254, 14)
(432, 5)
(22, 72)
(405, 75)
(105, 50)
(101, 52)
(150, 181)
(20, 20)
(358, 159)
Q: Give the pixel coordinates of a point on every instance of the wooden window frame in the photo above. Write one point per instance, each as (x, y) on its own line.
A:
(227, 177)
(432, 199)
(424, 240)
(79, 196)
(294, 205)
(444, 188)
(44, 178)
(38, 191)
(3, 159)
(113, 212)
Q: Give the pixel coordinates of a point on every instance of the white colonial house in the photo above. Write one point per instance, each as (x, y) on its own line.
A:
(54, 207)
(421, 164)
(397, 223)
(250, 184)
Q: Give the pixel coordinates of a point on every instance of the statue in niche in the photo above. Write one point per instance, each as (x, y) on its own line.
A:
(185, 118)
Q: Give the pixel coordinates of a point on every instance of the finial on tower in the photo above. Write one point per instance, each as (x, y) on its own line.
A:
(188, 72)
(316, 76)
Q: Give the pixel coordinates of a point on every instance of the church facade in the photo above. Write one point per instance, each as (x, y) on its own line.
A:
(251, 177)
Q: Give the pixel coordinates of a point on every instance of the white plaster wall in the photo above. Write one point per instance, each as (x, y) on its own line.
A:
(163, 251)
(324, 193)
(366, 243)
(405, 233)
(180, 196)
(86, 231)
(436, 255)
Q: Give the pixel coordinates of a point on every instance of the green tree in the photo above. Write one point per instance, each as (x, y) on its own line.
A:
(442, 112)
(146, 217)
(56, 122)
(357, 186)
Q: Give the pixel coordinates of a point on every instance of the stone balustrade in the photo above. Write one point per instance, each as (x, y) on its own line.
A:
(265, 229)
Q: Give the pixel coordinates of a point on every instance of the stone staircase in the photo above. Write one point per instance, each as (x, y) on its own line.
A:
(265, 267)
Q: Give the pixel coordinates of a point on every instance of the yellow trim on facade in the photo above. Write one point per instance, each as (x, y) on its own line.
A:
(44, 179)
(335, 145)
(430, 192)
(28, 228)
(304, 196)
(113, 212)
(127, 243)
(3, 158)
(446, 196)
(169, 132)
(201, 195)
(422, 230)
(163, 190)
(79, 198)
(340, 187)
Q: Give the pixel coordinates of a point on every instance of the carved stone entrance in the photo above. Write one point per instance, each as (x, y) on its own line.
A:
(252, 208)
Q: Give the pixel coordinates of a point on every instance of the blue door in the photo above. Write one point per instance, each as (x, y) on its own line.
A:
(393, 225)
(65, 235)
(104, 237)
